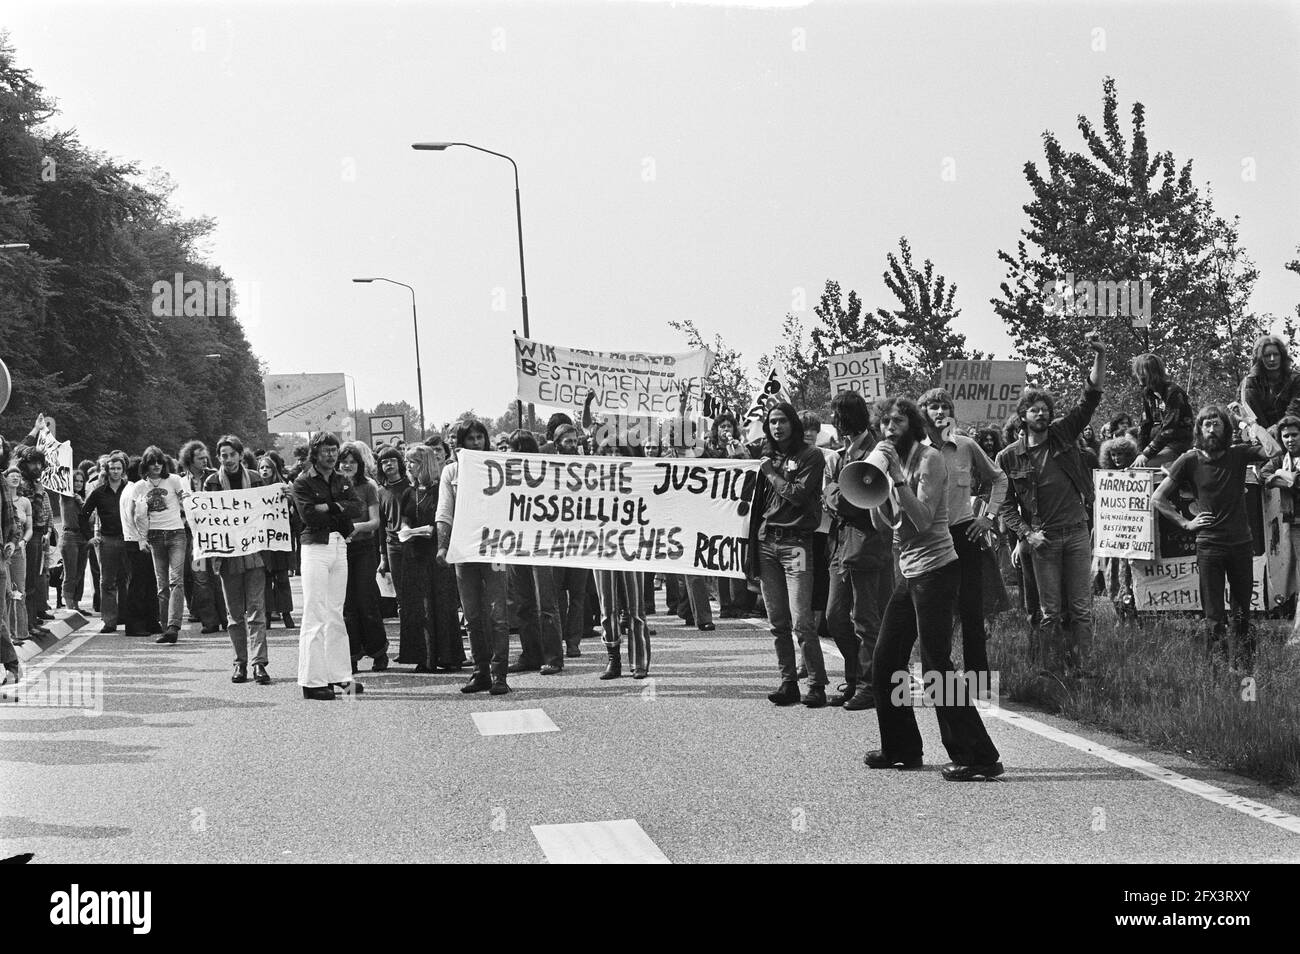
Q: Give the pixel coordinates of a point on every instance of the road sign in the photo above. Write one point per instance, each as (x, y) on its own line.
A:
(386, 430)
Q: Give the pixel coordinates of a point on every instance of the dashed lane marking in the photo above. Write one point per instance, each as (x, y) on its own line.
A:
(603, 843)
(513, 722)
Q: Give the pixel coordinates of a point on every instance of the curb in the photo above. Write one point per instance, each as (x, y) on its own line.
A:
(60, 629)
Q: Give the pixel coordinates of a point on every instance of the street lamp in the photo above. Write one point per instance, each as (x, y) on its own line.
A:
(519, 223)
(14, 245)
(419, 376)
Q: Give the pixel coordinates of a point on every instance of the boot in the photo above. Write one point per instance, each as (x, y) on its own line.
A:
(614, 668)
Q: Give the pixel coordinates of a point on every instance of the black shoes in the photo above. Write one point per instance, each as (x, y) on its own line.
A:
(499, 687)
(521, 666)
(843, 694)
(707, 627)
(167, 637)
(209, 630)
(640, 672)
(816, 697)
(787, 695)
(288, 621)
(863, 698)
(479, 682)
(614, 668)
(877, 759)
(318, 692)
(550, 669)
(572, 651)
(380, 664)
(240, 673)
(108, 629)
(260, 675)
(952, 772)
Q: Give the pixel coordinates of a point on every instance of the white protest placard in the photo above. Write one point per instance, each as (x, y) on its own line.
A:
(231, 523)
(863, 371)
(635, 383)
(773, 393)
(669, 515)
(1123, 518)
(983, 391)
(57, 475)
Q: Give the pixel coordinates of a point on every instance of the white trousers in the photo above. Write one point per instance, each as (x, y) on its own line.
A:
(323, 654)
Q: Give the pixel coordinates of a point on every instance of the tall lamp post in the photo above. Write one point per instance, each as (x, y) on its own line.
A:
(519, 224)
(415, 321)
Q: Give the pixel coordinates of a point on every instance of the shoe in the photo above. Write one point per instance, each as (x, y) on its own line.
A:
(318, 692)
(640, 672)
(209, 630)
(288, 621)
(877, 759)
(451, 667)
(550, 669)
(815, 697)
(380, 664)
(707, 627)
(572, 651)
(478, 682)
(36, 632)
(108, 629)
(192, 619)
(499, 687)
(45, 616)
(863, 698)
(260, 675)
(240, 673)
(421, 667)
(952, 772)
(352, 688)
(843, 693)
(787, 695)
(689, 621)
(614, 668)
(167, 637)
(11, 677)
(521, 666)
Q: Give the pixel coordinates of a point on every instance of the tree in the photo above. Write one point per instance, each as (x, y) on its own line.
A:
(410, 416)
(1101, 224)
(803, 371)
(729, 380)
(921, 328)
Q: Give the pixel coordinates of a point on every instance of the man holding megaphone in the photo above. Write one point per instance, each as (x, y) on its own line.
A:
(915, 511)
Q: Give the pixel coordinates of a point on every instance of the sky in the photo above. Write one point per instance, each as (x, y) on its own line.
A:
(675, 160)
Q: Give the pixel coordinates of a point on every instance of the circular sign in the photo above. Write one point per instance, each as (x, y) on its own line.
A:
(6, 387)
(386, 424)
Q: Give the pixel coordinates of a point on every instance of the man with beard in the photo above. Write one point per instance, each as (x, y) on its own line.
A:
(1215, 471)
(968, 466)
(916, 514)
(1049, 497)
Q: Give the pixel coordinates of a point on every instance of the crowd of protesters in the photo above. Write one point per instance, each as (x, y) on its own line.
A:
(967, 510)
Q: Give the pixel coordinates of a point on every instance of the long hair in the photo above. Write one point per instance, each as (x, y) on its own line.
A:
(277, 467)
(524, 442)
(153, 454)
(471, 427)
(1204, 414)
(1257, 355)
(1154, 368)
(989, 440)
(423, 464)
(1117, 453)
(1012, 428)
(915, 422)
(726, 417)
(352, 451)
(850, 412)
(319, 440)
(796, 425)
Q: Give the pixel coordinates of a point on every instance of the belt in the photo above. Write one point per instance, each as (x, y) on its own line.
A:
(786, 533)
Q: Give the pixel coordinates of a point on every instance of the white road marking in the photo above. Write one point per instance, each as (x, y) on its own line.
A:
(1211, 793)
(513, 722)
(606, 843)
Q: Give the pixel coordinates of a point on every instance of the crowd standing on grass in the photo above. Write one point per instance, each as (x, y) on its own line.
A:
(967, 509)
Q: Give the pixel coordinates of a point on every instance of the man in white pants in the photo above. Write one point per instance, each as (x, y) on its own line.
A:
(322, 496)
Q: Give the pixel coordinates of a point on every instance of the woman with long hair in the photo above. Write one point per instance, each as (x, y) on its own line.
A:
(788, 500)
(1272, 388)
(1166, 429)
(160, 523)
(430, 624)
(278, 563)
(361, 615)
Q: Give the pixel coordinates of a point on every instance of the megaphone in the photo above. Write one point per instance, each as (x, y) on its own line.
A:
(866, 483)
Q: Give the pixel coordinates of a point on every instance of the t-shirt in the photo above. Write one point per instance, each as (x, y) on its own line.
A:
(923, 549)
(1220, 488)
(162, 502)
(1059, 505)
(368, 494)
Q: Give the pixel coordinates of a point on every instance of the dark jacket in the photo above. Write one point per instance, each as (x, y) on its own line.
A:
(310, 489)
(855, 542)
(1166, 422)
(107, 504)
(1019, 511)
(1271, 405)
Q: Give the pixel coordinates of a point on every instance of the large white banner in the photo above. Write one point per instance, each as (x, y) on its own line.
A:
(658, 515)
(298, 403)
(57, 475)
(634, 383)
(231, 523)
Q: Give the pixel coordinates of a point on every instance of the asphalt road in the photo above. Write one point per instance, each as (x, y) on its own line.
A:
(183, 766)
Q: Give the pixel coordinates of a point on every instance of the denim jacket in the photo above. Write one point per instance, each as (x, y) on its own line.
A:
(1019, 511)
